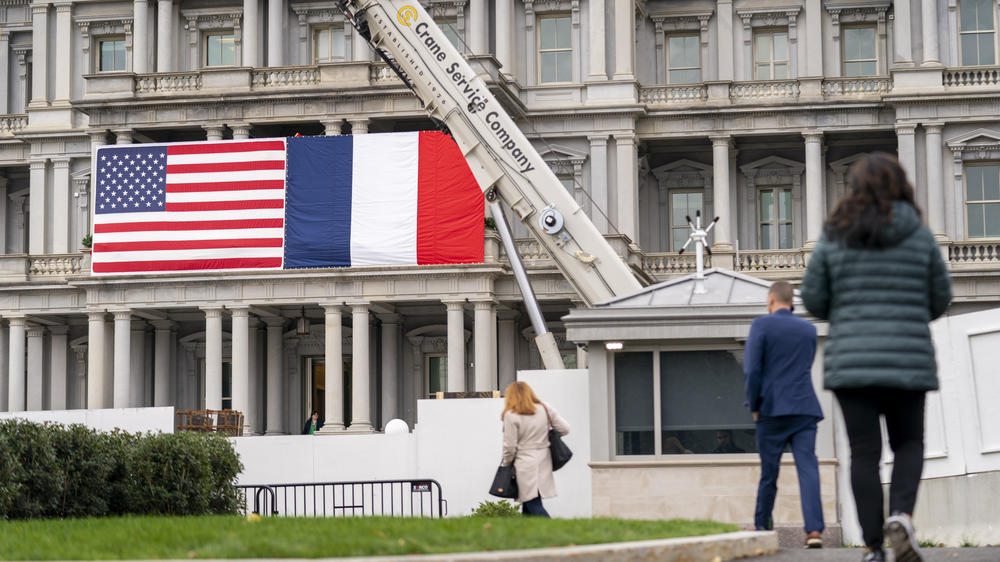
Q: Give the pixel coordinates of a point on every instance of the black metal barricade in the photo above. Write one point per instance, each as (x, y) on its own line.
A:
(393, 498)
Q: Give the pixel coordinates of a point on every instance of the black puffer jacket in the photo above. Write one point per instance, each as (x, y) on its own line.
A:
(879, 302)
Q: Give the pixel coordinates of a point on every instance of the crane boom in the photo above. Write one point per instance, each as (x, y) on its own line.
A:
(502, 159)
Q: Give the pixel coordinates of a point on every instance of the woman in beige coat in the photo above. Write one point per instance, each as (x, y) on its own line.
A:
(526, 421)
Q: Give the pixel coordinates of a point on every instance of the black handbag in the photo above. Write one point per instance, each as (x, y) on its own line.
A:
(557, 448)
(504, 483)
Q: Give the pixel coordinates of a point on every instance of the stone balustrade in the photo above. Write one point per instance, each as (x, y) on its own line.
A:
(668, 264)
(756, 261)
(857, 87)
(764, 90)
(380, 73)
(667, 95)
(55, 265)
(285, 77)
(168, 82)
(971, 76)
(531, 251)
(972, 253)
(12, 123)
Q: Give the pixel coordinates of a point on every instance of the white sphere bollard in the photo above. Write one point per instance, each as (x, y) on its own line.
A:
(396, 427)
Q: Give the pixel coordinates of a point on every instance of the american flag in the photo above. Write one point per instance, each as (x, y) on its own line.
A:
(183, 207)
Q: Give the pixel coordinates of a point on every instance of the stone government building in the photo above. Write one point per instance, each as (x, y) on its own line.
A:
(648, 110)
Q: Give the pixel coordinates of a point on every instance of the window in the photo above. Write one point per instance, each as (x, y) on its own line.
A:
(683, 59)
(977, 33)
(227, 385)
(450, 29)
(982, 200)
(678, 402)
(220, 49)
(775, 206)
(111, 55)
(437, 373)
(555, 49)
(859, 51)
(771, 55)
(683, 204)
(328, 44)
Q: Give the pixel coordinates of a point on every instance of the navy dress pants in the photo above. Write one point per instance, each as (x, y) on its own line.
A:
(773, 433)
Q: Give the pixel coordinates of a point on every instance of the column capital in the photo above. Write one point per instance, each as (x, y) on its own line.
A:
(359, 126)
(19, 320)
(906, 128)
(721, 140)
(64, 7)
(454, 304)
(813, 136)
(483, 304)
(39, 9)
(623, 136)
(211, 311)
(332, 128)
(98, 138)
(333, 307)
(597, 140)
(36, 165)
(122, 314)
(97, 315)
(934, 128)
(392, 318)
(360, 307)
(241, 130)
(61, 163)
(123, 136)
(239, 311)
(36, 330)
(213, 132)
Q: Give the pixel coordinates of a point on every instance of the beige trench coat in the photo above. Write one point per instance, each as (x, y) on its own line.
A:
(526, 444)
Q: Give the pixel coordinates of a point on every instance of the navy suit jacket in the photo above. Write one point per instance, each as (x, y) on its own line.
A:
(777, 364)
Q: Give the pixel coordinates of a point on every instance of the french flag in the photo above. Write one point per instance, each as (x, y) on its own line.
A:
(380, 200)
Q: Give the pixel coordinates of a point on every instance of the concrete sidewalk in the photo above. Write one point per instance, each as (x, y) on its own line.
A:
(974, 554)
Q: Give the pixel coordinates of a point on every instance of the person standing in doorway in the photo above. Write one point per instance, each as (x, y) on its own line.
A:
(777, 366)
(313, 424)
(877, 275)
(526, 422)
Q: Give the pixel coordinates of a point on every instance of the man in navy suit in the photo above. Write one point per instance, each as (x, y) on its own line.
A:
(777, 364)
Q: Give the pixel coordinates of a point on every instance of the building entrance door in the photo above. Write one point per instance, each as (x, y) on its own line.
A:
(318, 389)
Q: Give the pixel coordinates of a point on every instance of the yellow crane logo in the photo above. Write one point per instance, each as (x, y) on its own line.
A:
(407, 15)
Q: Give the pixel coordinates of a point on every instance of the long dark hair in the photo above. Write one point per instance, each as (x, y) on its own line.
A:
(873, 183)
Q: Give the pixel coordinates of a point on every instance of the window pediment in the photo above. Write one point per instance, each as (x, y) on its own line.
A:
(672, 21)
(981, 144)
(213, 18)
(769, 16)
(774, 170)
(564, 161)
(683, 173)
(316, 13)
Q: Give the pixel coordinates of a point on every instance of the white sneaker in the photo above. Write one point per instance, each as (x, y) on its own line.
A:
(902, 538)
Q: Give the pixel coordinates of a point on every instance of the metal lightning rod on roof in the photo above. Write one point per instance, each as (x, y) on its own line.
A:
(698, 236)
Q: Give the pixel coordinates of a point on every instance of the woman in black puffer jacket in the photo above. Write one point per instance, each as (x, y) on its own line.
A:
(877, 275)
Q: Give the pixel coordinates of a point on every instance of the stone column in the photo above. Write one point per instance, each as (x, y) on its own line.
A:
(334, 394)
(39, 55)
(597, 70)
(140, 36)
(456, 346)
(97, 139)
(599, 181)
(123, 358)
(906, 150)
(213, 358)
(720, 191)
(506, 359)
(36, 371)
(81, 192)
(359, 126)
(64, 55)
(390, 367)
(332, 127)
(476, 25)
(360, 370)
(17, 243)
(16, 367)
(61, 187)
(161, 363)
(724, 36)
(241, 131)
(505, 35)
(80, 379)
(58, 368)
(360, 51)
(624, 39)
(37, 204)
(935, 180)
(4, 366)
(23, 60)
(241, 362)
(137, 384)
(3, 243)
(251, 420)
(213, 132)
(814, 39)
(275, 396)
(251, 26)
(929, 20)
(123, 136)
(165, 40)
(901, 34)
(485, 370)
(815, 195)
(275, 32)
(5, 70)
(627, 179)
(96, 360)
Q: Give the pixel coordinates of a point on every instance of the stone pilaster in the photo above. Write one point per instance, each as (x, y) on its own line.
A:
(213, 358)
(485, 370)
(275, 32)
(390, 367)
(251, 28)
(360, 369)
(39, 56)
(140, 36)
(165, 40)
(456, 345)
(241, 362)
(721, 145)
(96, 359)
(123, 359)
(17, 377)
(275, 392)
(815, 194)
(935, 180)
(334, 355)
(36, 368)
(64, 55)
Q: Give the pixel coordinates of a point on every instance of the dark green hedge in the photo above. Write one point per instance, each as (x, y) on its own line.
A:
(49, 470)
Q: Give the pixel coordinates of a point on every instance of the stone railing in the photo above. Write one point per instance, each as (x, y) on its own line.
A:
(764, 89)
(167, 82)
(531, 250)
(971, 76)
(671, 263)
(974, 253)
(381, 73)
(689, 93)
(861, 86)
(55, 265)
(756, 261)
(12, 123)
(285, 77)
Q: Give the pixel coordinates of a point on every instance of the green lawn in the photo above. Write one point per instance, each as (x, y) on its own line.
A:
(236, 537)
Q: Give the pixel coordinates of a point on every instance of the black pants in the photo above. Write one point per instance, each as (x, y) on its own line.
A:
(904, 419)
